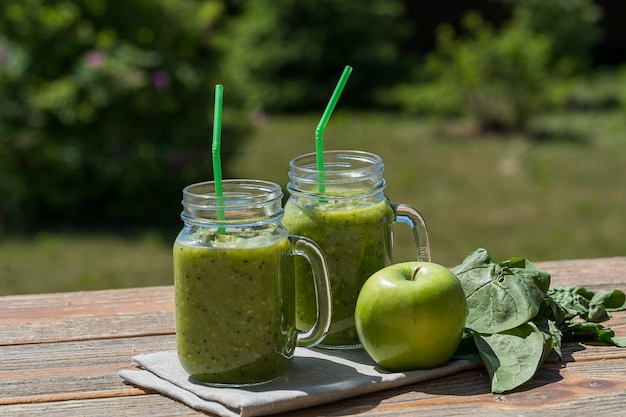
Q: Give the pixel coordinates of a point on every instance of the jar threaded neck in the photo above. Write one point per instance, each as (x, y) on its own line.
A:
(347, 174)
(244, 202)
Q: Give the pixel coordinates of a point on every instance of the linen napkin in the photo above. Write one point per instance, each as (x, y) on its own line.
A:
(314, 377)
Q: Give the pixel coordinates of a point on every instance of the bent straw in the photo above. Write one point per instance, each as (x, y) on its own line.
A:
(216, 152)
(319, 131)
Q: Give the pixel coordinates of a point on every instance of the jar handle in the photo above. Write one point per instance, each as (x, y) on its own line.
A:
(409, 215)
(308, 249)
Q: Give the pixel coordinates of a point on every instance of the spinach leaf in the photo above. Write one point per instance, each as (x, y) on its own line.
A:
(551, 320)
(592, 308)
(587, 305)
(512, 357)
(515, 319)
(574, 300)
(467, 348)
(594, 331)
(612, 300)
(500, 296)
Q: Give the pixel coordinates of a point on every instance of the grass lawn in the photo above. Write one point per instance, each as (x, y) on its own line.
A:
(543, 199)
(68, 262)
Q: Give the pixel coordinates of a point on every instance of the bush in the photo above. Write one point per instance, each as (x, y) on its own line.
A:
(572, 26)
(105, 109)
(286, 55)
(498, 76)
(503, 76)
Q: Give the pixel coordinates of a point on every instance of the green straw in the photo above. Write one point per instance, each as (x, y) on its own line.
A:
(216, 151)
(319, 131)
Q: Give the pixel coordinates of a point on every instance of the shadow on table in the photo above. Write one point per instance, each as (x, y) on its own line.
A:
(474, 382)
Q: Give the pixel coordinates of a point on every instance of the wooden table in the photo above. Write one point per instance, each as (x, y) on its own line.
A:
(60, 353)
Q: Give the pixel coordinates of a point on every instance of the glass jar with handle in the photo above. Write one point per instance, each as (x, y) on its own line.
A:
(343, 208)
(234, 285)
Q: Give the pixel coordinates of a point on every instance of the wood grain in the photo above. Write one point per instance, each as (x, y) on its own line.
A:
(60, 354)
(38, 371)
(594, 274)
(43, 318)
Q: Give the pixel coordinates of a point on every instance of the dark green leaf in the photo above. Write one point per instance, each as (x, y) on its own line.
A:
(597, 313)
(596, 332)
(594, 307)
(513, 357)
(500, 297)
(612, 300)
(619, 341)
(516, 263)
(528, 270)
(550, 320)
(467, 349)
(574, 300)
(515, 319)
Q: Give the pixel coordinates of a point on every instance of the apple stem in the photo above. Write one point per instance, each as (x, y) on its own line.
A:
(415, 273)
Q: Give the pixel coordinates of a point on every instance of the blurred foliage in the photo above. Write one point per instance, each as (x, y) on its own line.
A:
(602, 89)
(572, 26)
(503, 76)
(286, 55)
(498, 76)
(106, 105)
(106, 109)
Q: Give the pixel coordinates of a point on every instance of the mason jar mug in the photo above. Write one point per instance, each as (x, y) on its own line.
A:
(343, 209)
(234, 285)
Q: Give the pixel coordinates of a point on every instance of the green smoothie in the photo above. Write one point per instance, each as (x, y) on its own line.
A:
(235, 308)
(354, 236)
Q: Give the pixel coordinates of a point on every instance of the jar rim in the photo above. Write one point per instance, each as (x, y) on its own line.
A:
(235, 193)
(339, 159)
(340, 167)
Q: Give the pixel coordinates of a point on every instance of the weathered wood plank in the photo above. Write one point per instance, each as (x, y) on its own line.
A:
(467, 393)
(72, 370)
(146, 311)
(44, 372)
(86, 315)
(153, 405)
(80, 304)
(60, 354)
(88, 328)
(462, 394)
(599, 273)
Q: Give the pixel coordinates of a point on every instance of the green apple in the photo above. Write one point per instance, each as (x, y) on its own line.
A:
(411, 315)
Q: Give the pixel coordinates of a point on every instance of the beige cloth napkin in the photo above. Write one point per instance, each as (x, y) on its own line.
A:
(314, 377)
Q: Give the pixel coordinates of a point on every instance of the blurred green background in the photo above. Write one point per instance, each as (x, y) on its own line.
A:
(502, 121)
